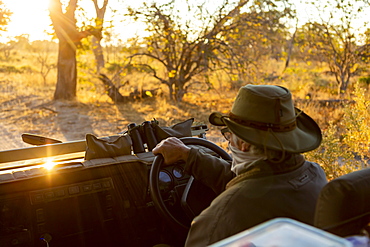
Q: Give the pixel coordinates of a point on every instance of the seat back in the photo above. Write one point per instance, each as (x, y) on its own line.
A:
(343, 206)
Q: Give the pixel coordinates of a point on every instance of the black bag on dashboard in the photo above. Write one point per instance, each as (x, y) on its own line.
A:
(113, 146)
(178, 130)
(107, 147)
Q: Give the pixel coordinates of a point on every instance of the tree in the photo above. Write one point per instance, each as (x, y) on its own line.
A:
(69, 38)
(5, 15)
(336, 42)
(96, 46)
(178, 49)
(261, 34)
(44, 51)
(16, 42)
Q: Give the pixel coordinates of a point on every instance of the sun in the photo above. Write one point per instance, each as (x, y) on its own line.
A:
(49, 165)
(29, 17)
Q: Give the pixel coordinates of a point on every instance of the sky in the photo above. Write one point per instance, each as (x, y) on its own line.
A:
(32, 17)
(29, 16)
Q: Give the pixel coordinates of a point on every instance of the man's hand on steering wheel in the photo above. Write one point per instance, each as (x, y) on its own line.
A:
(172, 150)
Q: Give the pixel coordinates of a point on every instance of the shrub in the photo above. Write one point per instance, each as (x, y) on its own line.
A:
(364, 80)
(346, 145)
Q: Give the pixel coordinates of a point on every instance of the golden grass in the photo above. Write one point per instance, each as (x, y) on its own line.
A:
(26, 101)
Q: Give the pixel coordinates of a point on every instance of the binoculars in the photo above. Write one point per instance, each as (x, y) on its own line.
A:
(142, 136)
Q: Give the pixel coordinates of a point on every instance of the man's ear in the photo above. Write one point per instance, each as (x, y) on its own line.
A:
(244, 146)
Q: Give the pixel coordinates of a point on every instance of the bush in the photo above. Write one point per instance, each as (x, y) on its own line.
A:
(346, 145)
(364, 80)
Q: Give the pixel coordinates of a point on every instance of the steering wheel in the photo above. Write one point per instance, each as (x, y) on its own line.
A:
(154, 179)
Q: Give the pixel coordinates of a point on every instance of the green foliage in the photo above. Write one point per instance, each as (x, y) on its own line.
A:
(233, 38)
(357, 122)
(346, 145)
(333, 156)
(335, 39)
(260, 31)
(126, 69)
(364, 80)
(15, 69)
(113, 67)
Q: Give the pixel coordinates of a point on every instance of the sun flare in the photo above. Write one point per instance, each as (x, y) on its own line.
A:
(49, 165)
(29, 17)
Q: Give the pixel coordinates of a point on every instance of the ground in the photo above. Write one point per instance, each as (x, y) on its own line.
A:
(68, 120)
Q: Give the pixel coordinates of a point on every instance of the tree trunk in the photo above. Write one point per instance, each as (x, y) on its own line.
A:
(112, 90)
(98, 52)
(69, 37)
(67, 72)
(96, 46)
(343, 88)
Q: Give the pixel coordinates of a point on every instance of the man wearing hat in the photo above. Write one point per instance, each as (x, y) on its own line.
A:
(268, 176)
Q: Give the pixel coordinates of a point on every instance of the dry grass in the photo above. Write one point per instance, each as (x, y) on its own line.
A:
(26, 105)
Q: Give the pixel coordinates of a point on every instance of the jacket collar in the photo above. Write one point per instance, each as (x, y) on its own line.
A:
(264, 168)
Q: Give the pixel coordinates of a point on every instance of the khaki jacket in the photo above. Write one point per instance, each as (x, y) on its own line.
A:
(266, 191)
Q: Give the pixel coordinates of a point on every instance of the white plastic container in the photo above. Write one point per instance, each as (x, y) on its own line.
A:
(283, 232)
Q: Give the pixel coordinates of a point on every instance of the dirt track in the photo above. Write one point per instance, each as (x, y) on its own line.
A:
(10, 137)
(66, 121)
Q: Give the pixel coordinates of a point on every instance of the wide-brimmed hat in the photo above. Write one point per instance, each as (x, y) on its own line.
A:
(264, 115)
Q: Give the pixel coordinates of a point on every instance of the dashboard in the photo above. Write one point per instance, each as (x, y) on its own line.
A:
(87, 203)
(169, 177)
(70, 201)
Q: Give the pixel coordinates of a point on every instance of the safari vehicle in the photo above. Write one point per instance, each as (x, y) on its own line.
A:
(112, 191)
(109, 191)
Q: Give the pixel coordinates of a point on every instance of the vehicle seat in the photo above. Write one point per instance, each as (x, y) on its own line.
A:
(343, 206)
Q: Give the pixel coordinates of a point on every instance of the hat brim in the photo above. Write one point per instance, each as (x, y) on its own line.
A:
(305, 137)
(216, 119)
